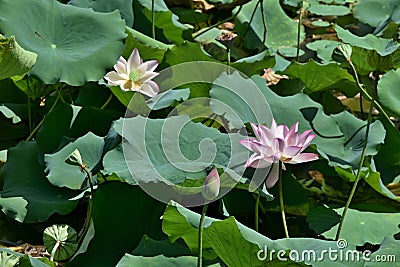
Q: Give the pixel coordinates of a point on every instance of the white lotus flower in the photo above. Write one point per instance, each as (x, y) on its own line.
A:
(134, 75)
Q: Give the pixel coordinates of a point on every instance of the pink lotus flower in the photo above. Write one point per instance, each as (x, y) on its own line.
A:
(278, 143)
(211, 185)
(134, 75)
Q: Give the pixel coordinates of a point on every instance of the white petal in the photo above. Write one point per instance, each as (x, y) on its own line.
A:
(148, 76)
(114, 78)
(120, 66)
(150, 65)
(150, 88)
(134, 60)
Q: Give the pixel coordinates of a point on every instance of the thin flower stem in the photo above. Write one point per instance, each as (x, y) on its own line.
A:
(281, 201)
(153, 27)
(298, 34)
(90, 207)
(263, 21)
(251, 20)
(107, 101)
(353, 189)
(41, 122)
(200, 238)
(367, 96)
(228, 50)
(59, 93)
(256, 211)
(218, 23)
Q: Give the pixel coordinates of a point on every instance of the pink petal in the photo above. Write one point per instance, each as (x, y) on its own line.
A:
(266, 135)
(291, 136)
(291, 151)
(280, 131)
(257, 161)
(252, 144)
(150, 89)
(304, 157)
(134, 60)
(308, 141)
(273, 176)
(303, 137)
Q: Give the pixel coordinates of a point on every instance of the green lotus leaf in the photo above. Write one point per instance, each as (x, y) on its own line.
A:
(148, 47)
(374, 12)
(74, 45)
(328, 10)
(182, 261)
(27, 196)
(324, 49)
(383, 46)
(238, 245)
(119, 211)
(61, 241)
(281, 30)
(124, 7)
(388, 92)
(175, 156)
(33, 87)
(164, 19)
(62, 174)
(361, 226)
(114, 163)
(14, 60)
(245, 100)
(254, 64)
(314, 77)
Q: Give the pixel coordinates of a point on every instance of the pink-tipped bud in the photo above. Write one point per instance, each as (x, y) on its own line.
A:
(211, 186)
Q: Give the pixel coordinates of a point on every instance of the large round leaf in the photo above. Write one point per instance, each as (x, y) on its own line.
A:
(27, 196)
(124, 7)
(62, 174)
(74, 45)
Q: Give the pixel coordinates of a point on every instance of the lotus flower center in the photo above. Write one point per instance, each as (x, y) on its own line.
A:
(134, 76)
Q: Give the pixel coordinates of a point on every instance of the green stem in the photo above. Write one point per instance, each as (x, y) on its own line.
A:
(251, 19)
(60, 95)
(263, 21)
(368, 96)
(353, 189)
(54, 250)
(281, 201)
(107, 101)
(200, 238)
(90, 208)
(153, 27)
(256, 211)
(41, 122)
(228, 50)
(218, 23)
(298, 35)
